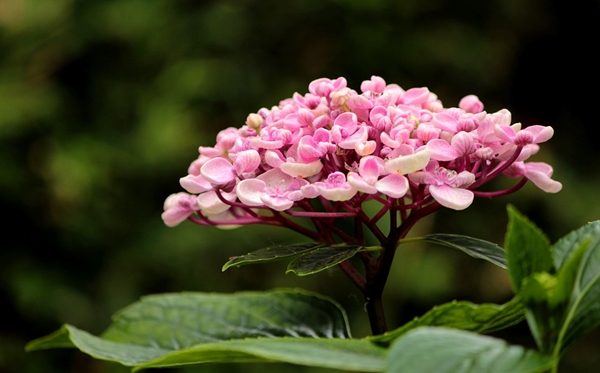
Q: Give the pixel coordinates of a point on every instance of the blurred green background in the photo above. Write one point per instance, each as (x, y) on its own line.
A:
(104, 103)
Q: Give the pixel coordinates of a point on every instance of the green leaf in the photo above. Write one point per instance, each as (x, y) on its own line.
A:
(442, 350)
(478, 318)
(322, 258)
(345, 354)
(161, 324)
(271, 254)
(527, 249)
(544, 313)
(124, 353)
(577, 256)
(475, 247)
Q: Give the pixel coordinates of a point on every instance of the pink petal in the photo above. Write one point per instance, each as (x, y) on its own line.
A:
(370, 168)
(178, 207)
(393, 185)
(276, 203)
(250, 190)
(376, 84)
(442, 151)
(464, 179)
(366, 148)
(210, 204)
(452, 198)
(388, 141)
(174, 217)
(310, 191)
(246, 161)
(360, 136)
(415, 96)
(274, 158)
(544, 182)
(505, 133)
(471, 104)
(540, 133)
(445, 122)
(195, 184)
(463, 142)
(275, 177)
(348, 121)
(360, 184)
(540, 174)
(501, 117)
(307, 150)
(218, 171)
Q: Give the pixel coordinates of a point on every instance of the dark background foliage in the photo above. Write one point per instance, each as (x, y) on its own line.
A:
(104, 103)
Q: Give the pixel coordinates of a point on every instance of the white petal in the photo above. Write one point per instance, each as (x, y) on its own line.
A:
(408, 163)
(210, 204)
(302, 169)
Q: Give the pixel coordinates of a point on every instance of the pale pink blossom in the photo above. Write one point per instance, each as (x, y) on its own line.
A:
(178, 207)
(471, 104)
(538, 172)
(447, 186)
(326, 152)
(335, 187)
(274, 189)
(520, 137)
(376, 84)
(367, 179)
(461, 144)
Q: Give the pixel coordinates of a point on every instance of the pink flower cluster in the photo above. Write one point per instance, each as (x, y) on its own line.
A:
(328, 151)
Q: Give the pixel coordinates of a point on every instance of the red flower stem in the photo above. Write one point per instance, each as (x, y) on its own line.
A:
(330, 227)
(207, 222)
(358, 228)
(320, 215)
(497, 170)
(294, 226)
(381, 213)
(372, 226)
(503, 192)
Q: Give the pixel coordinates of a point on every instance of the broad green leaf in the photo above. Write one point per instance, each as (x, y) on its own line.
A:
(527, 249)
(443, 350)
(478, 318)
(474, 247)
(566, 246)
(177, 321)
(346, 354)
(171, 322)
(578, 258)
(322, 258)
(98, 348)
(271, 254)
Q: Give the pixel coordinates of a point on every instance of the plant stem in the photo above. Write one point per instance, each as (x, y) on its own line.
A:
(377, 273)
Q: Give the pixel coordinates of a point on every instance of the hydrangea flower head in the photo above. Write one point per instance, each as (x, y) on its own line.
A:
(327, 152)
